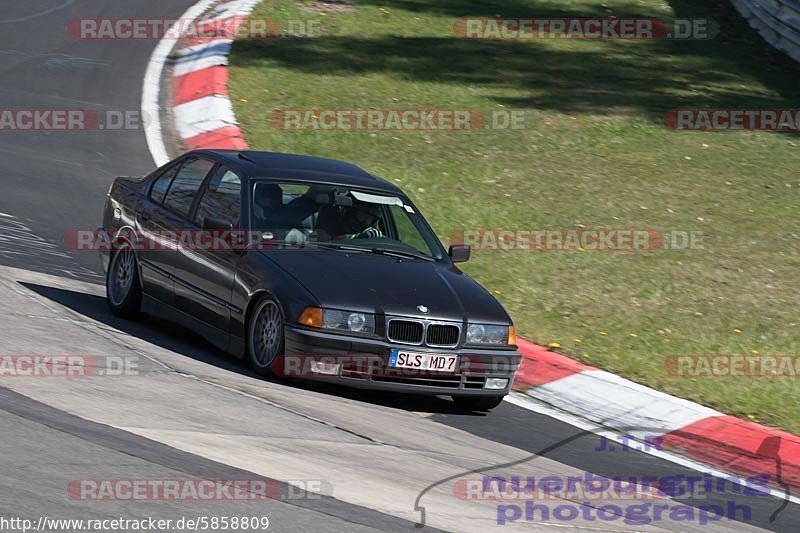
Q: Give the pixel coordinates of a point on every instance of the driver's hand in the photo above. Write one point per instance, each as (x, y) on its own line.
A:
(369, 233)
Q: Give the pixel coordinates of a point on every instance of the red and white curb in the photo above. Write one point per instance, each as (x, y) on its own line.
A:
(551, 383)
(703, 434)
(203, 112)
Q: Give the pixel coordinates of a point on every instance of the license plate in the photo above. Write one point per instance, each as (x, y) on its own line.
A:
(423, 361)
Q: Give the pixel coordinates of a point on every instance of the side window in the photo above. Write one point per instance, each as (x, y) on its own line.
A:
(160, 186)
(185, 185)
(222, 199)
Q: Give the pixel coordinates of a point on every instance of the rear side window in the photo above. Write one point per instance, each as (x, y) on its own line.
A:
(223, 198)
(186, 184)
(161, 185)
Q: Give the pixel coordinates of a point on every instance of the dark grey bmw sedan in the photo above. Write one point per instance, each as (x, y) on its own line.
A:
(309, 268)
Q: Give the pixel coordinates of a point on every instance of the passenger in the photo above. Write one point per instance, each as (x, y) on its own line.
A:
(268, 207)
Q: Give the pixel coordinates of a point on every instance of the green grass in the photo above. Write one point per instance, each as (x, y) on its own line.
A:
(594, 153)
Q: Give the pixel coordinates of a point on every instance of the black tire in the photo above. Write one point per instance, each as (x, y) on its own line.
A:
(265, 340)
(478, 403)
(124, 289)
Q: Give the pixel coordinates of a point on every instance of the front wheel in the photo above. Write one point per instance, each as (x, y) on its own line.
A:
(265, 339)
(123, 289)
(478, 403)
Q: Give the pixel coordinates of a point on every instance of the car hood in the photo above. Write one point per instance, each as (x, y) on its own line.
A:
(372, 282)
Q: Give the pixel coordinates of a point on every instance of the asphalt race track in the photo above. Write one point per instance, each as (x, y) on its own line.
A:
(189, 411)
(57, 180)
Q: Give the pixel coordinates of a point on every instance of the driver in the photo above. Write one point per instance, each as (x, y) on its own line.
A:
(363, 221)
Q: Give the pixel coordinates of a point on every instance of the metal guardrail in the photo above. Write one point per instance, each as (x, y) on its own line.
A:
(778, 22)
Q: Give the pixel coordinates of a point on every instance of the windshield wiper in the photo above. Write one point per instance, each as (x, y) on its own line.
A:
(380, 251)
(335, 246)
(398, 253)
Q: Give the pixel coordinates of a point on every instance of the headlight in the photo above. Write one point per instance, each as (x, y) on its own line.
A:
(348, 321)
(487, 334)
(363, 323)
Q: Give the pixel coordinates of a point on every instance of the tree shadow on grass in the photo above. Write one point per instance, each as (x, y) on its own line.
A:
(741, 47)
(650, 77)
(508, 8)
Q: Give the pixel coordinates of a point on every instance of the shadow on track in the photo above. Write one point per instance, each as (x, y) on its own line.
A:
(185, 342)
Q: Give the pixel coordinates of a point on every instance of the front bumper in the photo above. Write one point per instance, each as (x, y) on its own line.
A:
(363, 363)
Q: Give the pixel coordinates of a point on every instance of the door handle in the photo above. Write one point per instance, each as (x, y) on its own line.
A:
(144, 215)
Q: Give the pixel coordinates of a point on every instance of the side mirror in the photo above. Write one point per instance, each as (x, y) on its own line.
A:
(459, 253)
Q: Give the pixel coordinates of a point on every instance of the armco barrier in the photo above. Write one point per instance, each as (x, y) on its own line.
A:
(778, 22)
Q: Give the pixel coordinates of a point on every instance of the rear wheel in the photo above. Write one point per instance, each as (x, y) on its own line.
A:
(478, 403)
(265, 338)
(123, 288)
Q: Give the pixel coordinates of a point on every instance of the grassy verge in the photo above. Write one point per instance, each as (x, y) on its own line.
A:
(594, 153)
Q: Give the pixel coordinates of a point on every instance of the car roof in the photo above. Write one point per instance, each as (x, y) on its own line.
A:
(258, 164)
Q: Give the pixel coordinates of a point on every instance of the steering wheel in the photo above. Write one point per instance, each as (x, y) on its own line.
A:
(369, 233)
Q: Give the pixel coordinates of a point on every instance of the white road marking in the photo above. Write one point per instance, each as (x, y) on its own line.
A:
(151, 86)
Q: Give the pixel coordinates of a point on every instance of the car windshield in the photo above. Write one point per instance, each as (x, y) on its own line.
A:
(337, 217)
